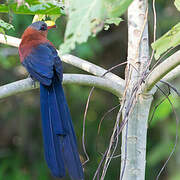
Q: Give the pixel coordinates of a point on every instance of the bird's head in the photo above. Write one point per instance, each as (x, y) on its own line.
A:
(34, 35)
(43, 26)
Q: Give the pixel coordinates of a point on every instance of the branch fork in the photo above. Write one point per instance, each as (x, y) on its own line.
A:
(118, 84)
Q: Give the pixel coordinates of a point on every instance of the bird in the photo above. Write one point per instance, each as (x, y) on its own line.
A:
(40, 58)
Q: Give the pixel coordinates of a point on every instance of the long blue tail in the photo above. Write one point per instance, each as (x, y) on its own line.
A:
(60, 144)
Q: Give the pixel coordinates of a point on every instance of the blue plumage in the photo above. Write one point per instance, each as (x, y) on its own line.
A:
(60, 146)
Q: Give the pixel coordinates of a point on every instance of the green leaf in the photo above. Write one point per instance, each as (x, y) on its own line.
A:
(54, 17)
(32, 7)
(38, 7)
(169, 40)
(42, 17)
(85, 17)
(2, 31)
(88, 17)
(116, 8)
(106, 27)
(177, 4)
(115, 21)
(6, 25)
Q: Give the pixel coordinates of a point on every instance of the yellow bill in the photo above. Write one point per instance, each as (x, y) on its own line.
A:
(50, 24)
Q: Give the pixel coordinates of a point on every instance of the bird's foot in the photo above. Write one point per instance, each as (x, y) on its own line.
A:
(33, 81)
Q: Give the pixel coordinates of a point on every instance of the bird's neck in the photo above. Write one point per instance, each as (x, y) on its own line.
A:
(32, 34)
(31, 38)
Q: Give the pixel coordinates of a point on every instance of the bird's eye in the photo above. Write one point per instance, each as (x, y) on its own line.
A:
(43, 27)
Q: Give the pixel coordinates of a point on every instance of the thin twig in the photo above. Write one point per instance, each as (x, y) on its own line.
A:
(114, 67)
(112, 142)
(114, 157)
(171, 86)
(159, 60)
(84, 123)
(176, 139)
(157, 105)
(154, 110)
(109, 111)
(128, 111)
(154, 29)
(116, 130)
(100, 164)
(155, 19)
(86, 109)
(125, 159)
(143, 27)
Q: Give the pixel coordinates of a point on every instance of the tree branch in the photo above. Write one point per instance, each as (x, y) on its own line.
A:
(91, 68)
(70, 59)
(81, 79)
(172, 74)
(9, 40)
(136, 106)
(161, 70)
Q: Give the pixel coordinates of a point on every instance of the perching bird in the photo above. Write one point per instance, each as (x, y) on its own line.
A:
(40, 58)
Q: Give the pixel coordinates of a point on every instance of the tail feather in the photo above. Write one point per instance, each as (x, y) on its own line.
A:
(52, 145)
(70, 153)
(59, 138)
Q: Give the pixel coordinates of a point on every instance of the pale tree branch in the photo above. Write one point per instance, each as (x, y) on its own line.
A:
(172, 74)
(70, 59)
(91, 68)
(9, 40)
(162, 70)
(81, 79)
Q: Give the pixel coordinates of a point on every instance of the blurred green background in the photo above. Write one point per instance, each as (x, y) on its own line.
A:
(21, 148)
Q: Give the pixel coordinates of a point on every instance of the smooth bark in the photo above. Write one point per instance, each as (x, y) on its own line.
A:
(133, 149)
(80, 79)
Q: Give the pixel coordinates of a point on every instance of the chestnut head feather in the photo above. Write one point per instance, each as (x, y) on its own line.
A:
(34, 35)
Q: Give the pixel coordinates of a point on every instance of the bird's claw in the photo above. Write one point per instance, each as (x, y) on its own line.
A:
(33, 81)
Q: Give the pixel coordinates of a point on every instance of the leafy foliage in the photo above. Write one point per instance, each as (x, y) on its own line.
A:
(116, 8)
(2, 31)
(177, 4)
(32, 7)
(88, 17)
(41, 17)
(167, 41)
(109, 21)
(5, 26)
(84, 19)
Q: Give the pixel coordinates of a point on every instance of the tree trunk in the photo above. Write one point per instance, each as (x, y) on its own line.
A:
(133, 147)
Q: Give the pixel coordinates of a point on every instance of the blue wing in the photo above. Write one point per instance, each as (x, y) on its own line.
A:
(42, 62)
